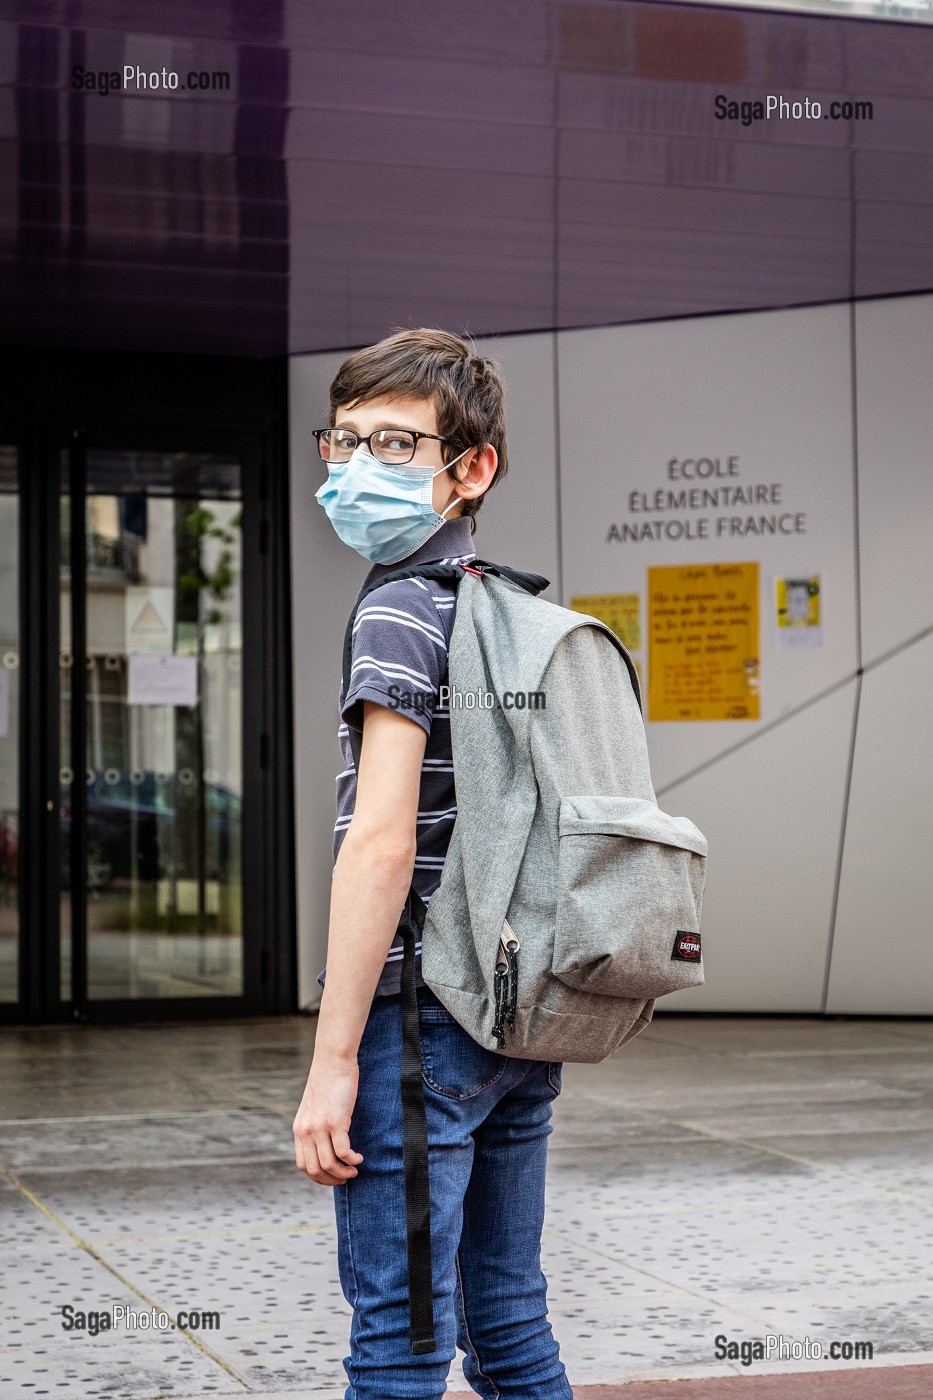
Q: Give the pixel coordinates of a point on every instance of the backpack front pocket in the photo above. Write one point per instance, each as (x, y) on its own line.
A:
(630, 892)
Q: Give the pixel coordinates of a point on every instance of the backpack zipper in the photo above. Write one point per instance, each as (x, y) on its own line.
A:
(505, 983)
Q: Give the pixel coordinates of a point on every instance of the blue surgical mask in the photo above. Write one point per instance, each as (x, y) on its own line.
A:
(382, 512)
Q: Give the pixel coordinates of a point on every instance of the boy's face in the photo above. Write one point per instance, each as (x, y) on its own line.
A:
(419, 415)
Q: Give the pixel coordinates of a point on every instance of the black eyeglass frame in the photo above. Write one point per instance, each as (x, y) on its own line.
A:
(317, 434)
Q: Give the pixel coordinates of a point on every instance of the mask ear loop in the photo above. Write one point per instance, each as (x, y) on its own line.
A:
(444, 468)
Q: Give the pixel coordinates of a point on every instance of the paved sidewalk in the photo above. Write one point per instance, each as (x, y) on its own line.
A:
(720, 1177)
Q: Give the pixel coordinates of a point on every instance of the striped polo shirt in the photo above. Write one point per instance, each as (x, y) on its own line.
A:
(400, 642)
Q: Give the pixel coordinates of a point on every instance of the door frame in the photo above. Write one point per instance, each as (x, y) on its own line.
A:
(98, 399)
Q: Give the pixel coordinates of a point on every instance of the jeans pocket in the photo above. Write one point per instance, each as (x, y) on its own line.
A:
(555, 1074)
(452, 1062)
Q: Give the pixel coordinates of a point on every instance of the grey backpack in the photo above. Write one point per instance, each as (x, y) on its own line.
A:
(569, 901)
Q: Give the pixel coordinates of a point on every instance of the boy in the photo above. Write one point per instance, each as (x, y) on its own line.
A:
(416, 438)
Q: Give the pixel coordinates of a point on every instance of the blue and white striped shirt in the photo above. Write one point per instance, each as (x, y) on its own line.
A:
(400, 642)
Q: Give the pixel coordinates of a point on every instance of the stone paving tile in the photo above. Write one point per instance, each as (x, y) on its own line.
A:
(897, 1324)
(112, 1368)
(700, 1166)
(38, 1357)
(882, 1112)
(157, 1140)
(284, 1318)
(178, 1203)
(794, 1035)
(764, 1090)
(895, 1163)
(754, 1245)
(35, 1099)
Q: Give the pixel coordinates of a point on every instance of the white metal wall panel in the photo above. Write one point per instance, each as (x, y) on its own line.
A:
(772, 813)
(883, 947)
(895, 433)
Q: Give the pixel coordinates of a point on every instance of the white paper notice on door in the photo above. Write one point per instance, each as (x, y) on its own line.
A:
(163, 680)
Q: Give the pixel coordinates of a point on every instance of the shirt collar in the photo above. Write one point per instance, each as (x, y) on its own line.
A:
(454, 540)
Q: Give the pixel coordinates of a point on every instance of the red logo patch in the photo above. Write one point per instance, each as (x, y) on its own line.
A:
(686, 946)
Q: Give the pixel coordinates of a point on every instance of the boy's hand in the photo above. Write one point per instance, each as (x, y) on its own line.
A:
(322, 1123)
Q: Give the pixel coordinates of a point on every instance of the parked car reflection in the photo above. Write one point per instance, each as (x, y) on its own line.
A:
(142, 825)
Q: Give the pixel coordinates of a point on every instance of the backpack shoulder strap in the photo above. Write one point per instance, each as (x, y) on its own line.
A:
(531, 583)
(623, 650)
(448, 573)
(441, 573)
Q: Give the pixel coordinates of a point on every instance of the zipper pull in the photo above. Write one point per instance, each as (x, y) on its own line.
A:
(511, 951)
(499, 983)
(506, 981)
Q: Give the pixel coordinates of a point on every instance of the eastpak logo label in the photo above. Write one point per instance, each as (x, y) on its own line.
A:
(686, 946)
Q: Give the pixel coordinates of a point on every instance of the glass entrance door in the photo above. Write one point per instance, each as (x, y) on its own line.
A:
(152, 637)
(146, 834)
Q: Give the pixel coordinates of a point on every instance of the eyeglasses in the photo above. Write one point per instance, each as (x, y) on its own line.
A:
(393, 447)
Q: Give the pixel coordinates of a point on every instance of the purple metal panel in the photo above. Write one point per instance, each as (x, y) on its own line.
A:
(489, 167)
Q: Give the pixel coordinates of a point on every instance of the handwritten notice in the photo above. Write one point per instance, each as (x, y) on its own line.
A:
(619, 611)
(163, 680)
(703, 642)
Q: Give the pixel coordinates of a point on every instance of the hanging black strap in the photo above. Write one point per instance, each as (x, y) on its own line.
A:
(414, 1113)
(415, 1145)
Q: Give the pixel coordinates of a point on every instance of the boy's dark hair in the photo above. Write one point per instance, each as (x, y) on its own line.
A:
(466, 388)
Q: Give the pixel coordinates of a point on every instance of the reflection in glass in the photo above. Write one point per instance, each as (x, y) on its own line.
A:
(66, 771)
(9, 724)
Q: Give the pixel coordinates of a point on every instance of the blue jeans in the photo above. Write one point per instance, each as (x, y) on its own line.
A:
(488, 1124)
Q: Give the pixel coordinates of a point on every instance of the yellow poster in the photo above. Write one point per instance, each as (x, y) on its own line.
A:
(703, 642)
(619, 611)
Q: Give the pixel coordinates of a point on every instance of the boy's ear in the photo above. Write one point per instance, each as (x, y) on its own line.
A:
(480, 470)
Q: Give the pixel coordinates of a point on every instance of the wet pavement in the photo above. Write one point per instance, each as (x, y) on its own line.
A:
(726, 1178)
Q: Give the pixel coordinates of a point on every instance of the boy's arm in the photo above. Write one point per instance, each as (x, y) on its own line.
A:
(372, 876)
